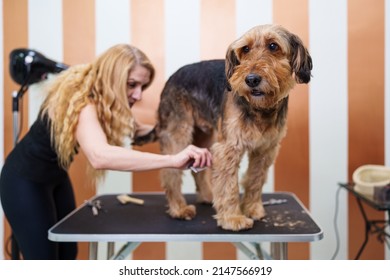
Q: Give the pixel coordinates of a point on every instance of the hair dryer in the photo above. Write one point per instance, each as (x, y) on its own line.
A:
(28, 66)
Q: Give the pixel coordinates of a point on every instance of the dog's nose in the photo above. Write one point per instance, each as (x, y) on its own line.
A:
(253, 80)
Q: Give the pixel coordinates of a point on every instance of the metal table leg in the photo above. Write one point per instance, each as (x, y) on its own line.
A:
(279, 250)
(93, 250)
(110, 250)
(367, 226)
(126, 250)
(246, 251)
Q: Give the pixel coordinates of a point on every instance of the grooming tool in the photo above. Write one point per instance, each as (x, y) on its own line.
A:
(124, 198)
(95, 206)
(195, 169)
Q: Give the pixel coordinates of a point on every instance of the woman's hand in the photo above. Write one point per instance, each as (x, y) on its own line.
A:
(194, 156)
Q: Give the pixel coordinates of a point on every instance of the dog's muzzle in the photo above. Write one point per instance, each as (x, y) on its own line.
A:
(253, 80)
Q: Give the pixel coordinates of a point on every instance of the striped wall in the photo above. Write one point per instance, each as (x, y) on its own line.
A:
(1, 126)
(387, 94)
(337, 123)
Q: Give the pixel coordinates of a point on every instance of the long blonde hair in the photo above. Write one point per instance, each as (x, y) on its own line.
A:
(103, 83)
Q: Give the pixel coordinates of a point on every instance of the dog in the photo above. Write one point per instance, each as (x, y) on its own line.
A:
(232, 106)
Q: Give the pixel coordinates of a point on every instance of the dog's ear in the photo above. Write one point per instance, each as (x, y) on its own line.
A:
(301, 62)
(231, 61)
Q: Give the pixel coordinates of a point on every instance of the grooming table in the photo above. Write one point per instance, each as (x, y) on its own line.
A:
(134, 224)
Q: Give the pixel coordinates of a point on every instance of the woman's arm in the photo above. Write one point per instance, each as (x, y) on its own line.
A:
(102, 155)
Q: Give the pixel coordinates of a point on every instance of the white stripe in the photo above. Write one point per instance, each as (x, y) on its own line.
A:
(112, 23)
(387, 98)
(184, 251)
(328, 122)
(182, 34)
(182, 46)
(251, 13)
(1, 128)
(113, 27)
(45, 36)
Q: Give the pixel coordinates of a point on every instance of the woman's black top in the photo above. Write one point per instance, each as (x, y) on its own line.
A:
(34, 157)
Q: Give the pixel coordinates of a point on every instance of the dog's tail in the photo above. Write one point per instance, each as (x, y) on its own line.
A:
(150, 137)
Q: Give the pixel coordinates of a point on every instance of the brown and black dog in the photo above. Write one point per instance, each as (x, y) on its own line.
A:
(231, 106)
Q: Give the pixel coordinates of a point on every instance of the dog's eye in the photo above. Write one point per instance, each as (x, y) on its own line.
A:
(245, 49)
(273, 47)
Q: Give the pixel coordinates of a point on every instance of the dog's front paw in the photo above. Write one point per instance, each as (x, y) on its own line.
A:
(235, 223)
(254, 211)
(187, 212)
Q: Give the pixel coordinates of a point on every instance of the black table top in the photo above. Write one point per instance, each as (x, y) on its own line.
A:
(286, 222)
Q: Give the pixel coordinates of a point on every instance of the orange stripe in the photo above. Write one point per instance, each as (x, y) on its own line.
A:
(292, 164)
(79, 31)
(217, 28)
(217, 33)
(79, 47)
(15, 36)
(148, 34)
(366, 110)
(15, 24)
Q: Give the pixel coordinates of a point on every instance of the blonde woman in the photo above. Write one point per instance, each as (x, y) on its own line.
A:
(88, 108)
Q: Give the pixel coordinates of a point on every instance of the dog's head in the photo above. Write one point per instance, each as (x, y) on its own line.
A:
(265, 63)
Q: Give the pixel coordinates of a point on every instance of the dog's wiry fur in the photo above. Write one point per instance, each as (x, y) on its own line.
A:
(231, 106)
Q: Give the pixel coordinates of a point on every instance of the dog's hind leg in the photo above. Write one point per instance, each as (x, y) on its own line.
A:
(171, 181)
(203, 138)
(202, 181)
(173, 139)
